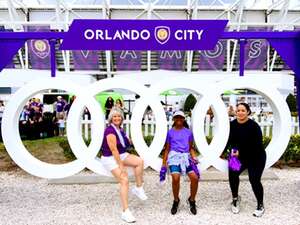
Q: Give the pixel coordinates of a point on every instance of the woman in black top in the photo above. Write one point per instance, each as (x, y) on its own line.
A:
(108, 106)
(246, 137)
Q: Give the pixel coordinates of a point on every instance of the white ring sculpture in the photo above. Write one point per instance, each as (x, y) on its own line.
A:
(210, 95)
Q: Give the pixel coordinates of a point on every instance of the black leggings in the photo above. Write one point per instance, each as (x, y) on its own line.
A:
(255, 170)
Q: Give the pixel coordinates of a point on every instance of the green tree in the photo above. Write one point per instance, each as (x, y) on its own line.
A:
(190, 103)
(292, 103)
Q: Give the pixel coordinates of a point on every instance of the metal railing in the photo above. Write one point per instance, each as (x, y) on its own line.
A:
(148, 125)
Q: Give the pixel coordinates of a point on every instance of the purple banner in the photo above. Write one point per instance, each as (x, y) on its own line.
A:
(255, 52)
(149, 35)
(11, 64)
(143, 34)
(128, 60)
(85, 60)
(213, 59)
(39, 50)
(8, 49)
(285, 65)
(289, 52)
(171, 60)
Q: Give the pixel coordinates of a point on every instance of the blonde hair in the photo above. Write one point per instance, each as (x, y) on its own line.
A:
(114, 111)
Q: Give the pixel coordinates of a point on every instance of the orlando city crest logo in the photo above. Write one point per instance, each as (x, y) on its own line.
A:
(162, 34)
(40, 48)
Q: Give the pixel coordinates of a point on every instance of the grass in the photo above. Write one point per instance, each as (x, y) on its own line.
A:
(46, 150)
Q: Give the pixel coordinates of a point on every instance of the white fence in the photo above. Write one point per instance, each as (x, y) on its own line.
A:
(148, 127)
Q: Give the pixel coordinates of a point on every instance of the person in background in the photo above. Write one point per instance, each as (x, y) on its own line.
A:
(34, 125)
(24, 115)
(119, 104)
(61, 124)
(40, 105)
(243, 100)
(169, 113)
(36, 103)
(37, 108)
(108, 106)
(210, 113)
(246, 137)
(180, 157)
(68, 106)
(24, 122)
(59, 106)
(231, 112)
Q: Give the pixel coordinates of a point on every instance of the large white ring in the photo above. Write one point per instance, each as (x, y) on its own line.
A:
(145, 152)
(282, 117)
(11, 135)
(87, 155)
(208, 97)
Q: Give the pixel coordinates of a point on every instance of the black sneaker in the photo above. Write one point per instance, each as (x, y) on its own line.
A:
(259, 211)
(193, 207)
(175, 207)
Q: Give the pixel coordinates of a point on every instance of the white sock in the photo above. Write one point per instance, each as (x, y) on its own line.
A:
(139, 188)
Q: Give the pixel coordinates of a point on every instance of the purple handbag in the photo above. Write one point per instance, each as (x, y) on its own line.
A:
(234, 163)
(194, 167)
(162, 174)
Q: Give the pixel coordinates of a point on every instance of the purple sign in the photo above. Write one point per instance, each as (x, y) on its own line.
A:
(213, 59)
(39, 50)
(150, 35)
(11, 64)
(143, 34)
(255, 52)
(85, 60)
(128, 60)
(171, 60)
(285, 65)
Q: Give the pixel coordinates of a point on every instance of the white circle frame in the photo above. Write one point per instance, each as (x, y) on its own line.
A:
(87, 155)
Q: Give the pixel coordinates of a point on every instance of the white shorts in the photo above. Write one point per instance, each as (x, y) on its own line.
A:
(110, 163)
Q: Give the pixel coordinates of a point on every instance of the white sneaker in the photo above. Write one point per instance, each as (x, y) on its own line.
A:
(139, 192)
(235, 205)
(127, 216)
(259, 211)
